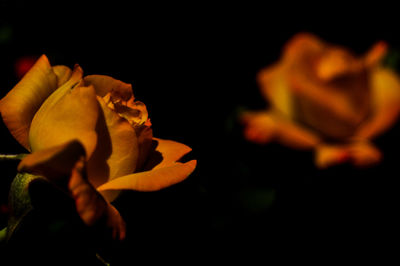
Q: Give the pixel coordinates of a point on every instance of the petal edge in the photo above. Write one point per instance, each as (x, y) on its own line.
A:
(19, 106)
(153, 180)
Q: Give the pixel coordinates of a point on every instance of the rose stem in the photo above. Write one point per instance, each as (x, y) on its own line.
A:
(12, 157)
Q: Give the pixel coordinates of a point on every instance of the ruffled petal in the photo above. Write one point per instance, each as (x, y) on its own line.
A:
(69, 113)
(117, 148)
(19, 106)
(152, 180)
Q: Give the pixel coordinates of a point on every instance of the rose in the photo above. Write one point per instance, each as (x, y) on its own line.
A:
(92, 134)
(325, 98)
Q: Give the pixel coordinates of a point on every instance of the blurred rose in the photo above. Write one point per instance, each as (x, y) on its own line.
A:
(323, 97)
(92, 131)
(23, 64)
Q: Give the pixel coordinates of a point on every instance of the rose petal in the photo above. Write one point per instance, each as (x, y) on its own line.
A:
(69, 113)
(145, 139)
(330, 155)
(275, 88)
(385, 107)
(300, 45)
(334, 107)
(364, 154)
(74, 81)
(54, 162)
(90, 205)
(105, 84)
(152, 180)
(260, 127)
(63, 74)
(115, 222)
(19, 106)
(385, 86)
(376, 53)
(263, 127)
(68, 163)
(117, 148)
(165, 153)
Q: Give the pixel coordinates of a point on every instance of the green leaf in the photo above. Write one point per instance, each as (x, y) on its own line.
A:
(19, 200)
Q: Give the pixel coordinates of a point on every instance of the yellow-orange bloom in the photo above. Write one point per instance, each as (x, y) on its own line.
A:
(54, 106)
(325, 98)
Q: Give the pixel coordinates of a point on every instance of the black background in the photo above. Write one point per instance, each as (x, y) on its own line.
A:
(194, 66)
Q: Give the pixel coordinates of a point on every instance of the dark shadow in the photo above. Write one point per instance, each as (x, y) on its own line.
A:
(154, 158)
(97, 164)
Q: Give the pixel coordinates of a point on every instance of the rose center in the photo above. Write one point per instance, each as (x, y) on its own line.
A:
(135, 112)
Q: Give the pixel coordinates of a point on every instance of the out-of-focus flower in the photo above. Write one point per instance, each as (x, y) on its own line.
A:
(23, 64)
(324, 97)
(89, 136)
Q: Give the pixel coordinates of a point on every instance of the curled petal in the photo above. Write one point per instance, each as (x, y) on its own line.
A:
(69, 113)
(19, 106)
(134, 112)
(152, 180)
(55, 162)
(105, 84)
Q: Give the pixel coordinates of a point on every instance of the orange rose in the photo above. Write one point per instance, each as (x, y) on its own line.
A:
(325, 98)
(92, 132)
